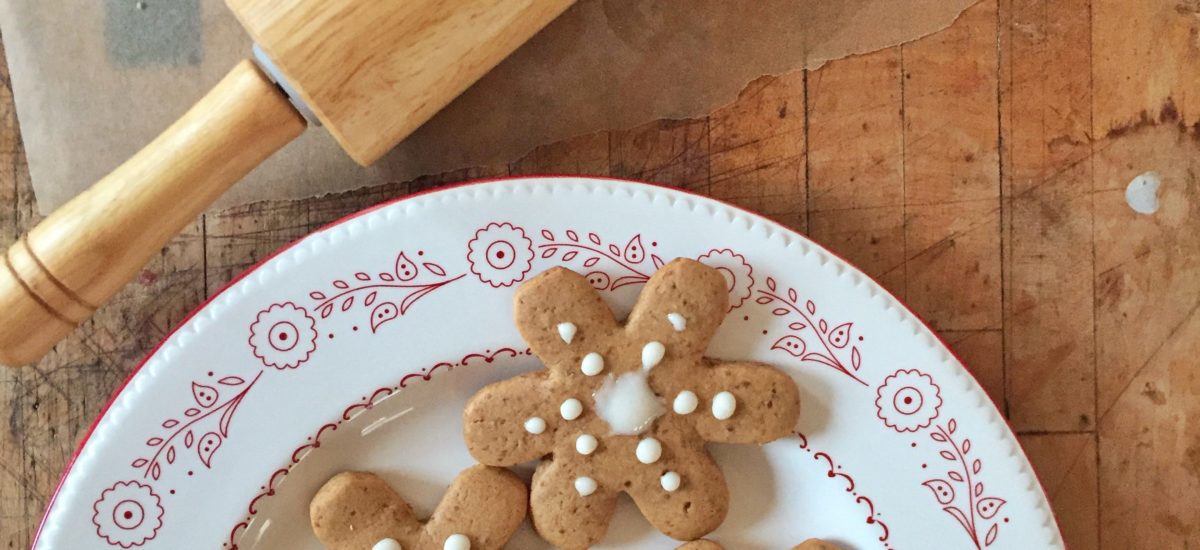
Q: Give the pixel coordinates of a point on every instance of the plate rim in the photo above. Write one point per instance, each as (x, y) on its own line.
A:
(630, 183)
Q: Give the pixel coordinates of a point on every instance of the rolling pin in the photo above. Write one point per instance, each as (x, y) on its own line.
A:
(369, 71)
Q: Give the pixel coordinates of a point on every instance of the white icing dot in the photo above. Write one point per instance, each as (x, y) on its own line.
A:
(592, 364)
(723, 405)
(535, 425)
(585, 485)
(677, 321)
(670, 481)
(457, 542)
(387, 544)
(566, 331)
(652, 354)
(586, 444)
(571, 409)
(648, 451)
(685, 403)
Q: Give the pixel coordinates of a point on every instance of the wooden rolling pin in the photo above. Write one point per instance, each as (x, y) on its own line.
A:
(370, 71)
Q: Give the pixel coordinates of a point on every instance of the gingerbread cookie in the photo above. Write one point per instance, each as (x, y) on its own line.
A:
(810, 544)
(360, 511)
(626, 408)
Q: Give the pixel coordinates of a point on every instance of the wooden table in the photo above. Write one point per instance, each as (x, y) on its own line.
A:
(977, 173)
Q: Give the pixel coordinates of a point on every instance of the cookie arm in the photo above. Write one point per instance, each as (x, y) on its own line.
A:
(681, 306)
(356, 509)
(557, 297)
(494, 421)
(485, 504)
(766, 403)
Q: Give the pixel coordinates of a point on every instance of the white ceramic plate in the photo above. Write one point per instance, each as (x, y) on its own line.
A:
(358, 346)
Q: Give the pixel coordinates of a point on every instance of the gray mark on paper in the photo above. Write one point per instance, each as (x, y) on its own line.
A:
(153, 32)
(1142, 193)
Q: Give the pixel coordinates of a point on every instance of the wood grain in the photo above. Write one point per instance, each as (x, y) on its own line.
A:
(978, 173)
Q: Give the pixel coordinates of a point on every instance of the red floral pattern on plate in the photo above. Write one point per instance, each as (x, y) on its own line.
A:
(739, 276)
(908, 400)
(127, 514)
(283, 336)
(500, 254)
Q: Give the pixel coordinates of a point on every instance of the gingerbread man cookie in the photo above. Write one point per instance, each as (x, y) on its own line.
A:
(360, 511)
(626, 408)
(810, 544)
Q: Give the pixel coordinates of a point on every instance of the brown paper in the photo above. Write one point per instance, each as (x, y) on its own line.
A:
(94, 81)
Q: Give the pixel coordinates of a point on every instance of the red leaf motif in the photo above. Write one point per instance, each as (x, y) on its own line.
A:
(791, 344)
(591, 262)
(962, 519)
(171, 423)
(811, 307)
(411, 299)
(598, 279)
(634, 253)
(976, 466)
(347, 303)
(570, 255)
(406, 270)
(771, 283)
(546, 253)
(780, 311)
(979, 488)
(855, 358)
(171, 455)
(191, 412)
(991, 534)
(434, 268)
(987, 507)
(942, 490)
(936, 436)
(546, 234)
(140, 462)
(966, 446)
(227, 417)
(953, 426)
(763, 300)
(230, 381)
(573, 235)
(383, 313)
(955, 476)
(205, 396)
(592, 237)
(208, 445)
(612, 249)
(316, 295)
(630, 280)
(370, 299)
(325, 311)
(387, 277)
(792, 295)
(341, 284)
(187, 439)
(658, 262)
(947, 455)
(797, 326)
(362, 276)
(840, 335)
(155, 471)
(823, 326)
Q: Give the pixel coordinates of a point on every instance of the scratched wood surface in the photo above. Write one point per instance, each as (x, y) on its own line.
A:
(977, 173)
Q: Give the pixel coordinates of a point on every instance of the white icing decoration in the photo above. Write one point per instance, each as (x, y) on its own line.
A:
(648, 451)
(652, 354)
(566, 331)
(571, 409)
(593, 364)
(627, 403)
(457, 542)
(723, 405)
(670, 481)
(586, 444)
(677, 321)
(535, 425)
(685, 403)
(585, 485)
(387, 544)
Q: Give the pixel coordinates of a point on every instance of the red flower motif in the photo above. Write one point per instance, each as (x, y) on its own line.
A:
(500, 254)
(739, 276)
(908, 400)
(283, 336)
(127, 514)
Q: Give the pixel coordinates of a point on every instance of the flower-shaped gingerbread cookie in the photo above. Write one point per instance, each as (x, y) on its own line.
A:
(358, 511)
(810, 544)
(626, 408)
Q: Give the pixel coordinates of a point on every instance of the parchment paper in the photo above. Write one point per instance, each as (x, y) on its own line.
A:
(94, 81)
